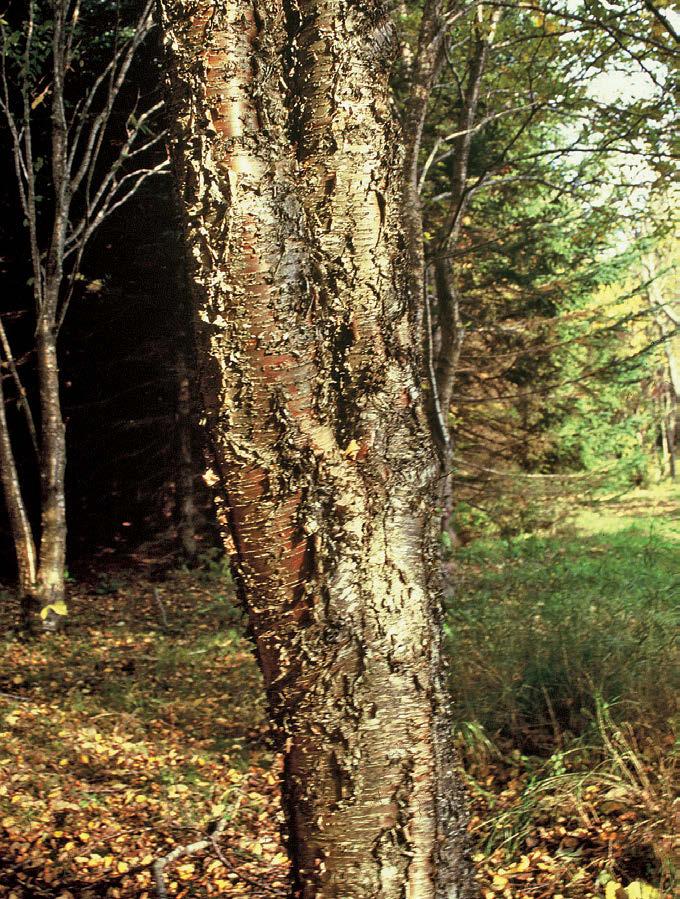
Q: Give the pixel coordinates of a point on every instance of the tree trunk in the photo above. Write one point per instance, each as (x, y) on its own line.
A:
(290, 167)
(667, 322)
(52, 556)
(22, 535)
(185, 493)
(670, 412)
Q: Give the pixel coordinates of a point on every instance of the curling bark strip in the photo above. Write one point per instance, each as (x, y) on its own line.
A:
(289, 164)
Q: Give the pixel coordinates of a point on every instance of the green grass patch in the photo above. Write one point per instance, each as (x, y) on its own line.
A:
(540, 626)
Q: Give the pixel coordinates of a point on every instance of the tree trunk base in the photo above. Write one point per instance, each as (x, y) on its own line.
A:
(28, 614)
(52, 623)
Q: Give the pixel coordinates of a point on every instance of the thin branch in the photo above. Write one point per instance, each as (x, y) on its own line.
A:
(110, 179)
(113, 200)
(23, 149)
(663, 21)
(118, 70)
(21, 390)
(432, 377)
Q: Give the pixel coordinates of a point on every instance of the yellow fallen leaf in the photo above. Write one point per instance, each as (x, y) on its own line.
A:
(59, 608)
(122, 867)
(352, 449)
(614, 890)
(640, 890)
(39, 99)
(185, 871)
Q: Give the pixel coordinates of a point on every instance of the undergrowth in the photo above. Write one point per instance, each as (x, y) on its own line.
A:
(134, 731)
(539, 626)
(565, 667)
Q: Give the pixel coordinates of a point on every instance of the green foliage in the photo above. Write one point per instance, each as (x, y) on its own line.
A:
(561, 197)
(541, 626)
(213, 566)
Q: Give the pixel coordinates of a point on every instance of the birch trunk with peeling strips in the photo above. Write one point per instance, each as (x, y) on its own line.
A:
(289, 164)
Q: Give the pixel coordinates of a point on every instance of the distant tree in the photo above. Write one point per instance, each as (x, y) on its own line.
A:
(532, 170)
(666, 313)
(63, 68)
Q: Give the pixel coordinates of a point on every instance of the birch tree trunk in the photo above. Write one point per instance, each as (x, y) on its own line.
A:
(20, 526)
(289, 164)
(52, 555)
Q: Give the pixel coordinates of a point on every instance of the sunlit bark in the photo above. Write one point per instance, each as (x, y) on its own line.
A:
(288, 160)
(22, 534)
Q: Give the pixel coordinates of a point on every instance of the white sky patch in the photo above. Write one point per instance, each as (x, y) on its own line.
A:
(629, 87)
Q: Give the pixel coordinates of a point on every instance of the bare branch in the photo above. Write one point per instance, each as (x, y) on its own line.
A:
(114, 199)
(117, 71)
(587, 23)
(23, 150)
(663, 21)
(21, 390)
(109, 183)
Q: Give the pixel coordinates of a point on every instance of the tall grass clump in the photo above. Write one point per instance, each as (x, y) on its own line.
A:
(539, 627)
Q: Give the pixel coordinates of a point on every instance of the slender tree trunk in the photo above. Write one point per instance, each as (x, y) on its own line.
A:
(667, 322)
(289, 163)
(185, 492)
(670, 412)
(52, 556)
(22, 535)
(450, 330)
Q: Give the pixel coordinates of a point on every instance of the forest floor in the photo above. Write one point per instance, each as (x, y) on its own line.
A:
(143, 725)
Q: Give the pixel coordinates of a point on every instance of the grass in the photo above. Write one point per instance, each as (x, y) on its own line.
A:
(565, 666)
(540, 626)
(136, 730)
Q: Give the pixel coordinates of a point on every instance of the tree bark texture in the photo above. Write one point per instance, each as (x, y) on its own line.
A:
(289, 164)
(22, 534)
(52, 555)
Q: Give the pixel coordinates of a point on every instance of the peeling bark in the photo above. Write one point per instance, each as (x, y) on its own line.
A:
(289, 165)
